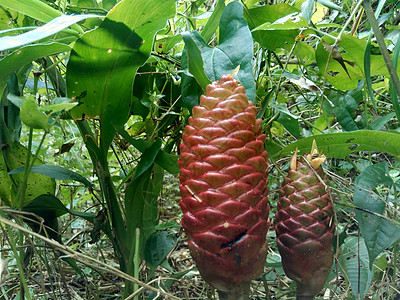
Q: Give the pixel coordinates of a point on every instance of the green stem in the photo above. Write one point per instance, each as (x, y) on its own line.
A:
(23, 283)
(28, 167)
(240, 292)
(100, 163)
(22, 187)
(385, 53)
(136, 259)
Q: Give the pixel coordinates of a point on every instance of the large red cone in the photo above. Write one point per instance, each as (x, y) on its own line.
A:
(224, 186)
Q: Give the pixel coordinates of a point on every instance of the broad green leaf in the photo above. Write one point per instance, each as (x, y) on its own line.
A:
(378, 233)
(195, 61)
(104, 61)
(54, 26)
(354, 51)
(356, 266)
(33, 8)
(56, 172)
(267, 14)
(25, 55)
(341, 144)
(158, 246)
(235, 49)
(14, 156)
(335, 72)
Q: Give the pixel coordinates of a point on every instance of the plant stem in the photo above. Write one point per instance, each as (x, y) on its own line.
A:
(136, 260)
(241, 292)
(22, 187)
(19, 260)
(385, 53)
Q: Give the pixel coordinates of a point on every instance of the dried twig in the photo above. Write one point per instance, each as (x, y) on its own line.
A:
(87, 260)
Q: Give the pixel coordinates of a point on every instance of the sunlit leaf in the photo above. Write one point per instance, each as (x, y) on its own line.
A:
(341, 144)
(104, 61)
(54, 26)
(25, 55)
(235, 49)
(268, 14)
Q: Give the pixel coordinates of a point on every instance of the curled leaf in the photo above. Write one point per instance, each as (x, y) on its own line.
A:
(31, 116)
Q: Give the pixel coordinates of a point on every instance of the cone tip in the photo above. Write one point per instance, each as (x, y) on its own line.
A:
(315, 158)
(235, 71)
(293, 160)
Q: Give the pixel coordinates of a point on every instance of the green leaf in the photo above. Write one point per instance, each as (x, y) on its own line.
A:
(354, 51)
(56, 172)
(307, 10)
(195, 61)
(330, 4)
(33, 8)
(165, 160)
(335, 72)
(26, 55)
(104, 61)
(288, 120)
(191, 90)
(267, 14)
(381, 121)
(235, 48)
(141, 205)
(356, 262)
(31, 115)
(340, 144)
(343, 109)
(292, 21)
(49, 29)
(53, 108)
(157, 248)
(379, 233)
(148, 158)
(212, 23)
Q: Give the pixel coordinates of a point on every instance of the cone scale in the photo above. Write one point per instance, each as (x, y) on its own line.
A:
(305, 224)
(223, 174)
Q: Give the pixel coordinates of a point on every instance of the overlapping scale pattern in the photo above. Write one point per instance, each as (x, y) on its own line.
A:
(305, 228)
(224, 186)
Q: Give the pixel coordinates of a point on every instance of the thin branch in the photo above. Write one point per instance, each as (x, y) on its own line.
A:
(87, 260)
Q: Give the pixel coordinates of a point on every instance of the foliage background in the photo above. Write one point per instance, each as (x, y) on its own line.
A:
(104, 90)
